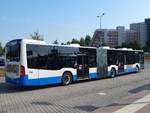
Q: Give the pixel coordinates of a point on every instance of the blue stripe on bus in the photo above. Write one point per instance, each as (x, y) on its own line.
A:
(34, 82)
(126, 71)
(109, 73)
(12, 80)
(41, 81)
(92, 75)
(52, 80)
(75, 77)
(130, 69)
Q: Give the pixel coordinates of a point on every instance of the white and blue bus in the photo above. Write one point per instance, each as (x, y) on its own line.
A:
(34, 63)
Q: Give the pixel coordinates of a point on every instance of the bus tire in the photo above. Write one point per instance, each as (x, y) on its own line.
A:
(113, 72)
(66, 78)
(137, 69)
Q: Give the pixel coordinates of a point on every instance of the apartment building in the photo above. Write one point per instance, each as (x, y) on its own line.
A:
(143, 28)
(113, 37)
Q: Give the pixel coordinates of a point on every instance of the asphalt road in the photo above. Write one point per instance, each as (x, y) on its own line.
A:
(81, 97)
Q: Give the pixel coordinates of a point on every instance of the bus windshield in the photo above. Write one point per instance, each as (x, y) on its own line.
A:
(13, 51)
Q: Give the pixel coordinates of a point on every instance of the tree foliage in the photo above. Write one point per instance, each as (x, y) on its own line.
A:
(82, 41)
(134, 45)
(1, 50)
(87, 40)
(103, 44)
(75, 41)
(36, 36)
(68, 43)
(55, 42)
(147, 46)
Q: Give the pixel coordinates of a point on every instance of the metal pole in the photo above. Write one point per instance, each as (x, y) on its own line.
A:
(100, 22)
(100, 18)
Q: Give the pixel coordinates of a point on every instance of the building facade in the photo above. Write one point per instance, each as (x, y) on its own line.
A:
(113, 37)
(121, 35)
(147, 22)
(132, 36)
(107, 37)
(98, 38)
(143, 28)
(139, 32)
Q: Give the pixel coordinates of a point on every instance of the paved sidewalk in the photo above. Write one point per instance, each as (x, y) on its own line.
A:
(136, 103)
(81, 97)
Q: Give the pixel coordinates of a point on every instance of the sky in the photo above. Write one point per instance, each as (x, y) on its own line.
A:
(63, 20)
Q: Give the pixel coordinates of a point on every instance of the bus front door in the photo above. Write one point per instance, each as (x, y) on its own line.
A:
(82, 67)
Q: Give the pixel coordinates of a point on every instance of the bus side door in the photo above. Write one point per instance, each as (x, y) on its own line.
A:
(121, 63)
(82, 66)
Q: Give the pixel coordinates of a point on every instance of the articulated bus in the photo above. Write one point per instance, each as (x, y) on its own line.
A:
(34, 63)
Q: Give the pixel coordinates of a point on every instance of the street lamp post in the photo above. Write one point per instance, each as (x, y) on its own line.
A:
(100, 18)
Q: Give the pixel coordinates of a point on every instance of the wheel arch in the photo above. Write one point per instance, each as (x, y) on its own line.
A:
(138, 65)
(67, 71)
(64, 75)
(113, 67)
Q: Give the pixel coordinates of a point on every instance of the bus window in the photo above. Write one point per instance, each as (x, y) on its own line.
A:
(32, 56)
(53, 61)
(91, 53)
(13, 51)
(111, 57)
(130, 57)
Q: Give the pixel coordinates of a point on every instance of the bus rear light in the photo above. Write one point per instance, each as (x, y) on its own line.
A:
(22, 71)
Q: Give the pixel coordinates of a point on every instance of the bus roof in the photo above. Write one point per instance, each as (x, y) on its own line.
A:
(31, 41)
(121, 49)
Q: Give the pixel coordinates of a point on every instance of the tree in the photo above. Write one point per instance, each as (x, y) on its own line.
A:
(103, 44)
(82, 41)
(134, 45)
(75, 41)
(36, 36)
(147, 46)
(63, 43)
(1, 50)
(68, 43)
(55, 42)
(87, 40)
(124, 45)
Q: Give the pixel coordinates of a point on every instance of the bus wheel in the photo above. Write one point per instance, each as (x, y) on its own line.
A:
(137, 69)
(113, 72)
(66, 78)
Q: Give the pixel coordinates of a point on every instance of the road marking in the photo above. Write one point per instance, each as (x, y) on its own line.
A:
(102, 93)
(135, 106)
